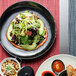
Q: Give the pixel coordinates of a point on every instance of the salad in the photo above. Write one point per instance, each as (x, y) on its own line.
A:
(10, 68)
(26, 31)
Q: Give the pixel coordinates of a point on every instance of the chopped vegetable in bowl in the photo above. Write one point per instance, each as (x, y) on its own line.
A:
(9, 67)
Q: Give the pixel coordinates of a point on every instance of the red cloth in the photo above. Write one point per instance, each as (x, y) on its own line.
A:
(53, 7)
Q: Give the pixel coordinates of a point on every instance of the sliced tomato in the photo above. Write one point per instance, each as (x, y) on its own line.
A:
(29, 33)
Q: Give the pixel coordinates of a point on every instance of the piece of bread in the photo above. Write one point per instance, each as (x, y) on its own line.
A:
(74, 72)
(69, 69)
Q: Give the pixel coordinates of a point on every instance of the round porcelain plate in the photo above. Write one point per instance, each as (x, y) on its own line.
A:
(46, 65)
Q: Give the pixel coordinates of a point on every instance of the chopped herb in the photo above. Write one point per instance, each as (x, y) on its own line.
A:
(9, 68)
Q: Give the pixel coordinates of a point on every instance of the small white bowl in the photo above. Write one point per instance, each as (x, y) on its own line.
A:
(8, 59)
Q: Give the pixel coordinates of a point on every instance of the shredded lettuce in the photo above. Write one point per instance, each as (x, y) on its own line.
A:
(22, 15)
(26, 24)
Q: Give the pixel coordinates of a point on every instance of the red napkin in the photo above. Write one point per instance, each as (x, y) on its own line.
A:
(53, 7)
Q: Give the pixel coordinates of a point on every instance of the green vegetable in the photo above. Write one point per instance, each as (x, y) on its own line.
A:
(26, 24)
(9, 68)
(26, 11)
(22, 33)
(23, 25)
(13, 24)
(38, 26)
(29, 47)
(41, 37)
(22, 15)
(28, 27)
(9, 31)
(43, 32)
(26, 40)
(36, 38)
(41, 29)
(36, 19)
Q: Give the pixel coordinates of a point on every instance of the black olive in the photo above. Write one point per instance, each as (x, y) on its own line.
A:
(28, 22)
(13, 37)
(10, 34)
(35, 29)
(40, 41)
(17, 20)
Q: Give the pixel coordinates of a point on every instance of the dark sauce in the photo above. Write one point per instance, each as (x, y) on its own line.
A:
(48, 74)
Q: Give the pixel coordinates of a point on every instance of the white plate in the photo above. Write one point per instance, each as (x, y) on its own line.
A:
(46, 65)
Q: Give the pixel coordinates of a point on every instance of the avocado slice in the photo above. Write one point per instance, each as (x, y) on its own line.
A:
(41, 29)
(33, 46)
(29, 47)
(36, 38)
(9, 31)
